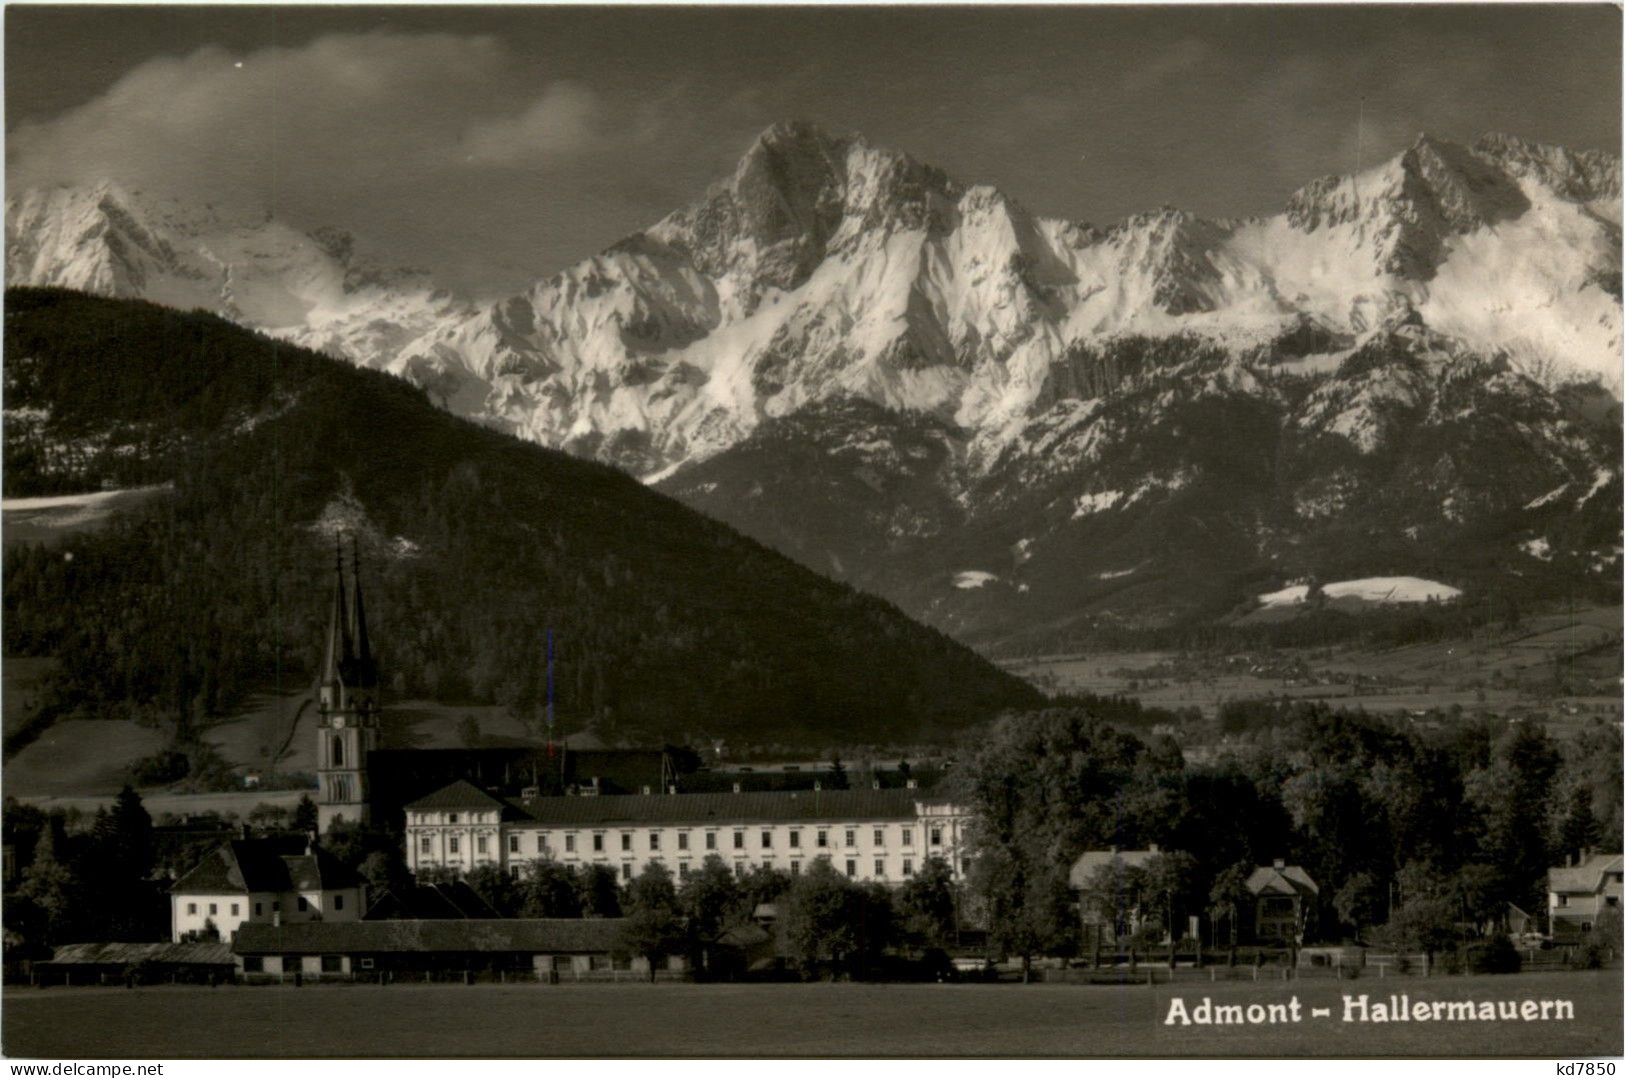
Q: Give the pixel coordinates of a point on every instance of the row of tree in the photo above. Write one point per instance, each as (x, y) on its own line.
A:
(89, 884)
(825, 921)
(1416, 832)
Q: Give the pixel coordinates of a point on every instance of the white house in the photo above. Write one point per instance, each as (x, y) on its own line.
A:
(251, 881)
(1579, 892)
(884, 835)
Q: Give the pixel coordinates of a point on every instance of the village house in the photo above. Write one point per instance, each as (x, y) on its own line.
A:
(1283, 896)
(1100, 928)
(1580, 892)
(575, 949)
(249, 880)
(873, 834)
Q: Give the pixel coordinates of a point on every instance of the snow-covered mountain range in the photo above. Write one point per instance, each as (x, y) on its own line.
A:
(311, 288)
(963, 371)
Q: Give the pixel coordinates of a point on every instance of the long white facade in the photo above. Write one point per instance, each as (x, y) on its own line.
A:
(888, 848)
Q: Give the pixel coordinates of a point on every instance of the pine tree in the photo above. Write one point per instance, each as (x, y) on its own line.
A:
(50, 886)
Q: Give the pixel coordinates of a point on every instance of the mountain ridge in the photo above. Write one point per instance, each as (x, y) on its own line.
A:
(1339, 365)
(659, 351)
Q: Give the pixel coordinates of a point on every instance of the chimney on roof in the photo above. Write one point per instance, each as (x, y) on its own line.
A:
(1280, 862)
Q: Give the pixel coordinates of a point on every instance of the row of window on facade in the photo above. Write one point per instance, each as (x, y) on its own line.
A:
(742, 867)
(259, 907)
(820, 840)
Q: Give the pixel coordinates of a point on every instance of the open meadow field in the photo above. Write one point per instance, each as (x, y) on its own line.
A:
(85, 762)
(1505, 671)
(788, 1020)
(51, 519)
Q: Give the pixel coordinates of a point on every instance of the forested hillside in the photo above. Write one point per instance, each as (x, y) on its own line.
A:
(474, 544)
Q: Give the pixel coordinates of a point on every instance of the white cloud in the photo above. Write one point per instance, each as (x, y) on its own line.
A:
(276, 123)
(566, 120)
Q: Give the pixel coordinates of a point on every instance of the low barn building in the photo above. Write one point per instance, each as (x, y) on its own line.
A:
(548, 948)
(140, 963)
(248, 881)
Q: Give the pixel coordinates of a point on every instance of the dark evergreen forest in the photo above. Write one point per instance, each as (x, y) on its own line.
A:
(667, 624)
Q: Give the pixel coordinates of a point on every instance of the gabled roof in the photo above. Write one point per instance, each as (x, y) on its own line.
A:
(786, 806)
(524, 935)
(461, 794)
(108, 954)
(430, 901)
(1288, 880)
(248, 865)
(1091, 860)
(1589, 877)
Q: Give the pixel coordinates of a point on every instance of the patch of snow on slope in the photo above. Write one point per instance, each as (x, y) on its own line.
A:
(1602, 480)
(1372, 589)
(1547, 498)
(973, 578)
(1543, 304)
(1537, 548)
(1096, 502)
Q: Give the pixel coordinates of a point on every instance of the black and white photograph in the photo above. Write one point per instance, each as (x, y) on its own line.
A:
(879, 532)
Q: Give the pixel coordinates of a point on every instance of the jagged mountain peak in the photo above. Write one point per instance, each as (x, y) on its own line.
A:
(1580, 175)
(822, 265)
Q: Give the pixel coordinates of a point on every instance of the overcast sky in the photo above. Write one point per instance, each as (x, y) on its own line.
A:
(493, 146)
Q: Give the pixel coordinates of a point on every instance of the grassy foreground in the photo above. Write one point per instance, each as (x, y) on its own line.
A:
(784, 1020)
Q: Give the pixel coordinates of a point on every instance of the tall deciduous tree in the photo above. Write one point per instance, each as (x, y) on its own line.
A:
(49, 885)
(550, 889)
(600, 894)
(650, 927)
(927, 904)
(1042, 786)
(709, 898)
(1229, 899)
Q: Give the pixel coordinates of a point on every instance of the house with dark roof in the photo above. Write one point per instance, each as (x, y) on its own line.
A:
(1283, 902)
(870, 834)
(547, 948)
(1580, 892)
(1104, 923)
(248, 880)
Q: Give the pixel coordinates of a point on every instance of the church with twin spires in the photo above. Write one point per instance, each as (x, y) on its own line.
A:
(347, 704)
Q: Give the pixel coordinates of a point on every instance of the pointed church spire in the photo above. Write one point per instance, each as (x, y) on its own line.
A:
(339, 657)
(366, 674)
